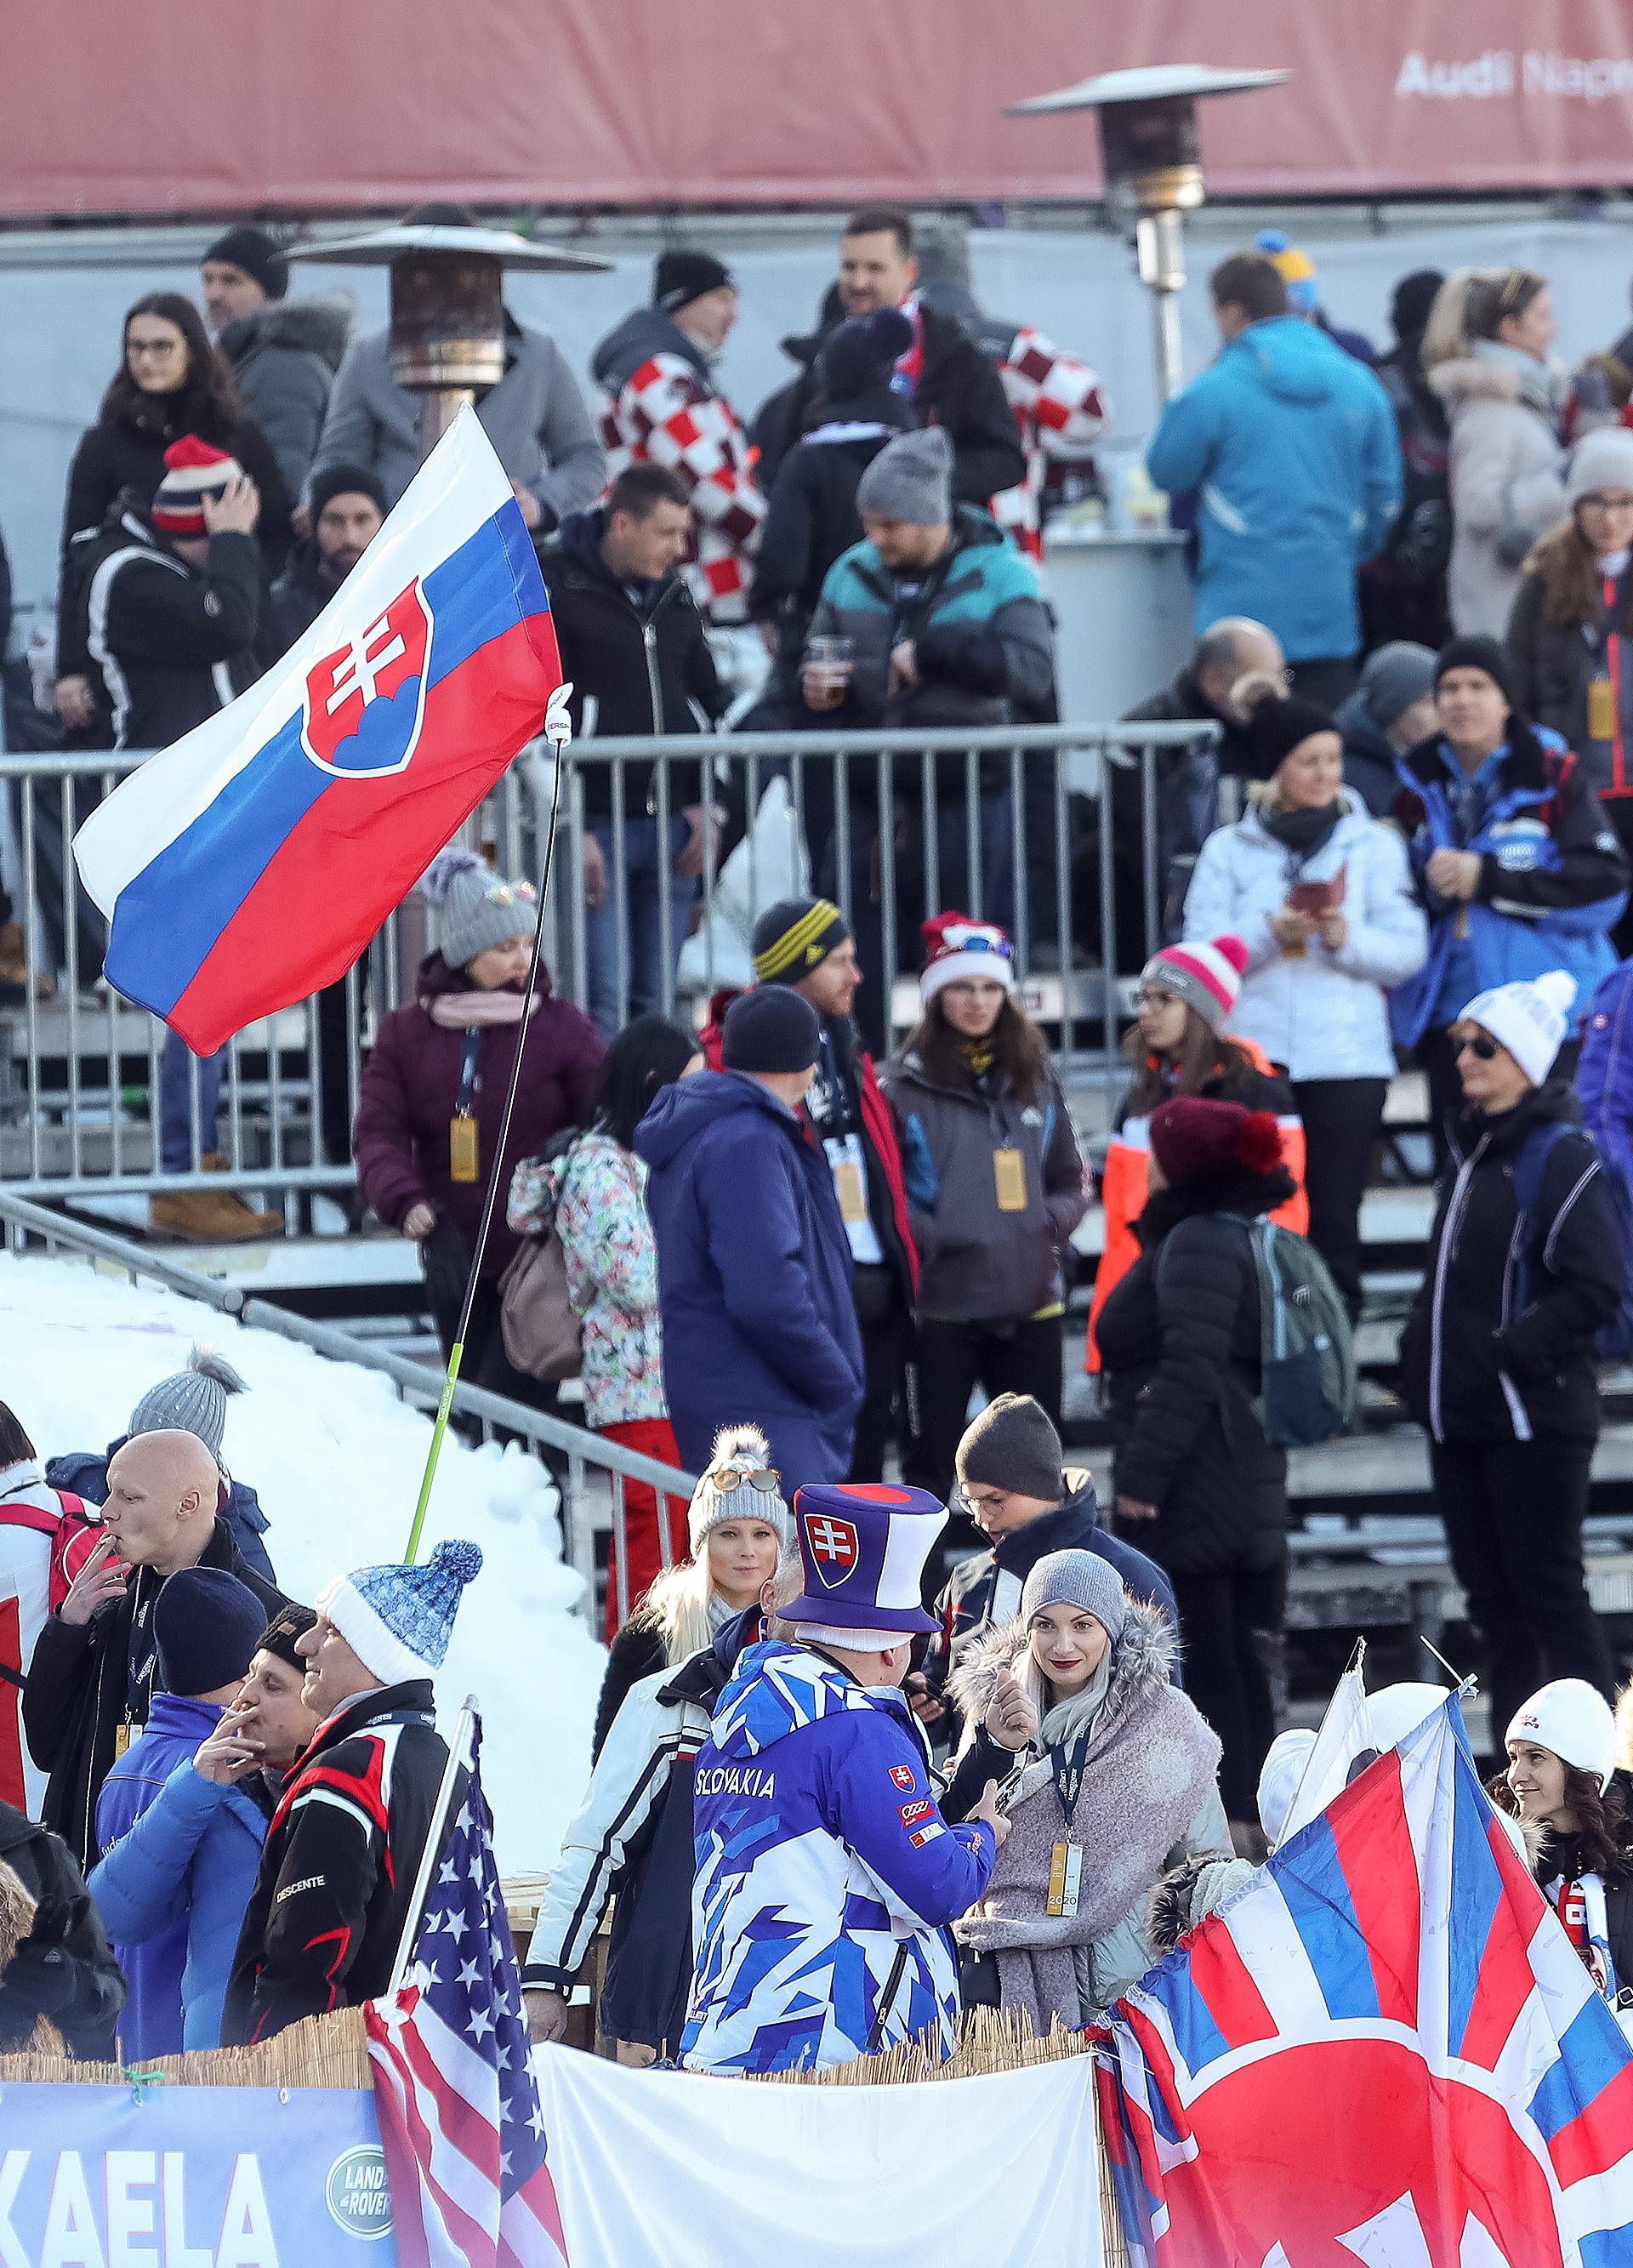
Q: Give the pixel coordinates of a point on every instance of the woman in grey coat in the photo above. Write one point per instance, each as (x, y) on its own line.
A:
(994, 1185)
(1109, 1782)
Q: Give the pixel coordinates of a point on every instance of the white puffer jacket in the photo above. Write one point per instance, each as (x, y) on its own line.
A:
(1322, 1014)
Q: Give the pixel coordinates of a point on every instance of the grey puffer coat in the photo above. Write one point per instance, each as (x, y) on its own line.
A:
(1147, 1800)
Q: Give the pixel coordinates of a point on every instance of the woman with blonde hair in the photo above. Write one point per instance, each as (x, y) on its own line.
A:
(738, 1524)
(1486, 353)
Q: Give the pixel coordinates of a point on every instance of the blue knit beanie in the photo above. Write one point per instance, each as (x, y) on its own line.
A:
(398, 1620)
(206, 1626)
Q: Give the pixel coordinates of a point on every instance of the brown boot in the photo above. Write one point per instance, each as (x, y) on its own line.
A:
(211, 1216)
(14, 969)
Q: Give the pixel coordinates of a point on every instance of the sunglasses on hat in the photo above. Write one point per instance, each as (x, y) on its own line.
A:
(726, 1478)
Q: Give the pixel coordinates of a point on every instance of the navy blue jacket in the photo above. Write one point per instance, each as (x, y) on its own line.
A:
(754, 1282)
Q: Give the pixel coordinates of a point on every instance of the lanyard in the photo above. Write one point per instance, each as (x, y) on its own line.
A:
(470, 1083)
(1612, 670)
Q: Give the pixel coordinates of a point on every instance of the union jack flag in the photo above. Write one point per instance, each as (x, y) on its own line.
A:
(460, 2116)
(1382, 2049)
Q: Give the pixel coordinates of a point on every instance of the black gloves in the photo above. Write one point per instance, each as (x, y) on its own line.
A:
(447, 1260)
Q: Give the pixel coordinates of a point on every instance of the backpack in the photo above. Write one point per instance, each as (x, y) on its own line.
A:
(1307, 1341)
(543, 1331)
(1615, 1341)
(75, 1533)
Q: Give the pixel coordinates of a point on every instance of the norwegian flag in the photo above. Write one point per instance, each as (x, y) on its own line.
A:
(1382, 2049)
(459, 2111)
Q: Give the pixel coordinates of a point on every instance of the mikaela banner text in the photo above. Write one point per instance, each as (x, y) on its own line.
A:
(192, 2177)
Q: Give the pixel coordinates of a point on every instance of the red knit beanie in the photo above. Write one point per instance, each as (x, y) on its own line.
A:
(1191, 1137)
(194, 469)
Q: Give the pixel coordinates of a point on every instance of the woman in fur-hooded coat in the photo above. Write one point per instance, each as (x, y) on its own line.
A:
(1122, 1771)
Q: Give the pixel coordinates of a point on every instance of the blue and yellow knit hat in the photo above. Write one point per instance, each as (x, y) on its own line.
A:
(398, 1620)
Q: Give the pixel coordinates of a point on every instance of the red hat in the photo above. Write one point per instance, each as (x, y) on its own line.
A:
(1206, 976)
(1192, 1137)
(957, 945)
(192, 470)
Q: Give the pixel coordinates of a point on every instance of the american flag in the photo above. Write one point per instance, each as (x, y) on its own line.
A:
(459, 2111)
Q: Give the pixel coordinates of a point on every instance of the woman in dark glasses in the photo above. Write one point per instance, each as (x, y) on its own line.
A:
(1496, 1359)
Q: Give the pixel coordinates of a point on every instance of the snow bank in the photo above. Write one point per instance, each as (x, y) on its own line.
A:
(336, 1459)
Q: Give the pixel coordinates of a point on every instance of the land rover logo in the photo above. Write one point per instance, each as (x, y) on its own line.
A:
(358, 2198)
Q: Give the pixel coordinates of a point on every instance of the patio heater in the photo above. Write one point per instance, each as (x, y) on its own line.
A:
(447, 308)
(1153, 170)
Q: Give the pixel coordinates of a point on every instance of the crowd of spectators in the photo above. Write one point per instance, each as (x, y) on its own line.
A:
(798, 1243)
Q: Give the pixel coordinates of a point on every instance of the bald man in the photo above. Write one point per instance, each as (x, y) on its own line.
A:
(94, 1663)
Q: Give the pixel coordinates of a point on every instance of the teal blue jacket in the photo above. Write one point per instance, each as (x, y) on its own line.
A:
(977, 621)
(1291, 445)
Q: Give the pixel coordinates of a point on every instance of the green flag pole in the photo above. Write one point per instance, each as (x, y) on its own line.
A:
(558, 732)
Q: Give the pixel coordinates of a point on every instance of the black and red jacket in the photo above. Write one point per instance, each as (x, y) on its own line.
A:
(887, 1184)
(331, 1900)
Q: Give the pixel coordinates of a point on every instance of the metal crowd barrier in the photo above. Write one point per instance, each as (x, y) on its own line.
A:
(590, 1474)
(1014, 824)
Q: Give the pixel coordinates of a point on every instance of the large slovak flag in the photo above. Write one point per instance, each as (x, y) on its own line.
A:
(1383, 2048)
(251, 863)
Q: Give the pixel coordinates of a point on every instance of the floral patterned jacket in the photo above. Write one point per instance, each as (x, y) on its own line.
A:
(595, 1191)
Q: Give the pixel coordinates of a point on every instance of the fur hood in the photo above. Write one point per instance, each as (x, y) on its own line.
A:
(320, 325)
(1141, 1660)
(1466, 378)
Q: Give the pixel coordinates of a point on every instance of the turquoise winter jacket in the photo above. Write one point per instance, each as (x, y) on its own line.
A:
(1293, 446)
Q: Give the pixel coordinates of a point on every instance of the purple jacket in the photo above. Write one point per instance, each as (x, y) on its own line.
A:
(411, 1085)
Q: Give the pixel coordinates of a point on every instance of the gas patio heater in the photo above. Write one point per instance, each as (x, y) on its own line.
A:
(1153, 170)
(447, 307)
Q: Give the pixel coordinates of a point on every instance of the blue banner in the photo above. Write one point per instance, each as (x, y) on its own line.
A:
(192, 2177)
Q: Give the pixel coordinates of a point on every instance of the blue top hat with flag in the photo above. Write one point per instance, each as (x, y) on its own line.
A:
(864, 1545)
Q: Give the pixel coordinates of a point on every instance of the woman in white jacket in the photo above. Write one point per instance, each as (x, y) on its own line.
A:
(1321, 894)
(1486, 355)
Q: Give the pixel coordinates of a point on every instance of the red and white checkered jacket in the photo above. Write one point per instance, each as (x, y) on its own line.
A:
(1062, 411)
(665, 414)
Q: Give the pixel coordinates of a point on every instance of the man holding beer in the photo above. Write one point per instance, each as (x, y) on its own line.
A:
(934, 619)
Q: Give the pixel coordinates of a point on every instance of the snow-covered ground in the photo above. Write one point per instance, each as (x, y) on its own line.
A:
(336, 1459)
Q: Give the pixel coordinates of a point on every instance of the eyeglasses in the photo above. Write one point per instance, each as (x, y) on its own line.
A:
(1154, 996)
(728, 1479)
(1479, 1045)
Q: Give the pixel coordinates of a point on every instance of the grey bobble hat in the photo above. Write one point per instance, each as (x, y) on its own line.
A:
(192, 1401)
(1013, 1446)
(1603, 460)
(479, 908)
(743, 1449)
(1395, 676)
(910, 480)
(1077, 1578)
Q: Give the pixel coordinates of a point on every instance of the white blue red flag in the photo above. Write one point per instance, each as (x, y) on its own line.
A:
(251, 863)
(460, 2121)
(1383, 2048)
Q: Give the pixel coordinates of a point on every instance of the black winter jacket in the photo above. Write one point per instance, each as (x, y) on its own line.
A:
(171, 642)
(637, 1651)
(812, 514)
(639, 665)
(131, 455)
(70, 1974)
(1178, 1339)
(1477, 1365)
(299, 595)
(984, 1590)
(959, 389)
(337, 1873)
(87, 1680)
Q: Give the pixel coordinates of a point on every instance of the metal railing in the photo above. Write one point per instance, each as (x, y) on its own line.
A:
(1059, 832)
(576, 1458)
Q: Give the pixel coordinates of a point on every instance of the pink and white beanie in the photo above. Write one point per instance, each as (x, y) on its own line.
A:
(957, 945)
(1206, 976)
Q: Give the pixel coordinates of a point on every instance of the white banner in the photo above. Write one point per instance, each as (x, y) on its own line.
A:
(678, 2171)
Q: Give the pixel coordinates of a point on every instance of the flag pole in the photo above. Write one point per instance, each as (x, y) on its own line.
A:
(457, 1760)
(559, 731)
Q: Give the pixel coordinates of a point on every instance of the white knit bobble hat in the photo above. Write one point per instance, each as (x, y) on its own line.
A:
(1574, 1720)
(1529, 1018)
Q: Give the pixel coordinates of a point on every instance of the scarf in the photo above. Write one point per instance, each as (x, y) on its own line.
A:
(469, 1012)
(1063, 1735)
(1577, 1896)
(1303, 831)
(980, 1055)
(1540, 387)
